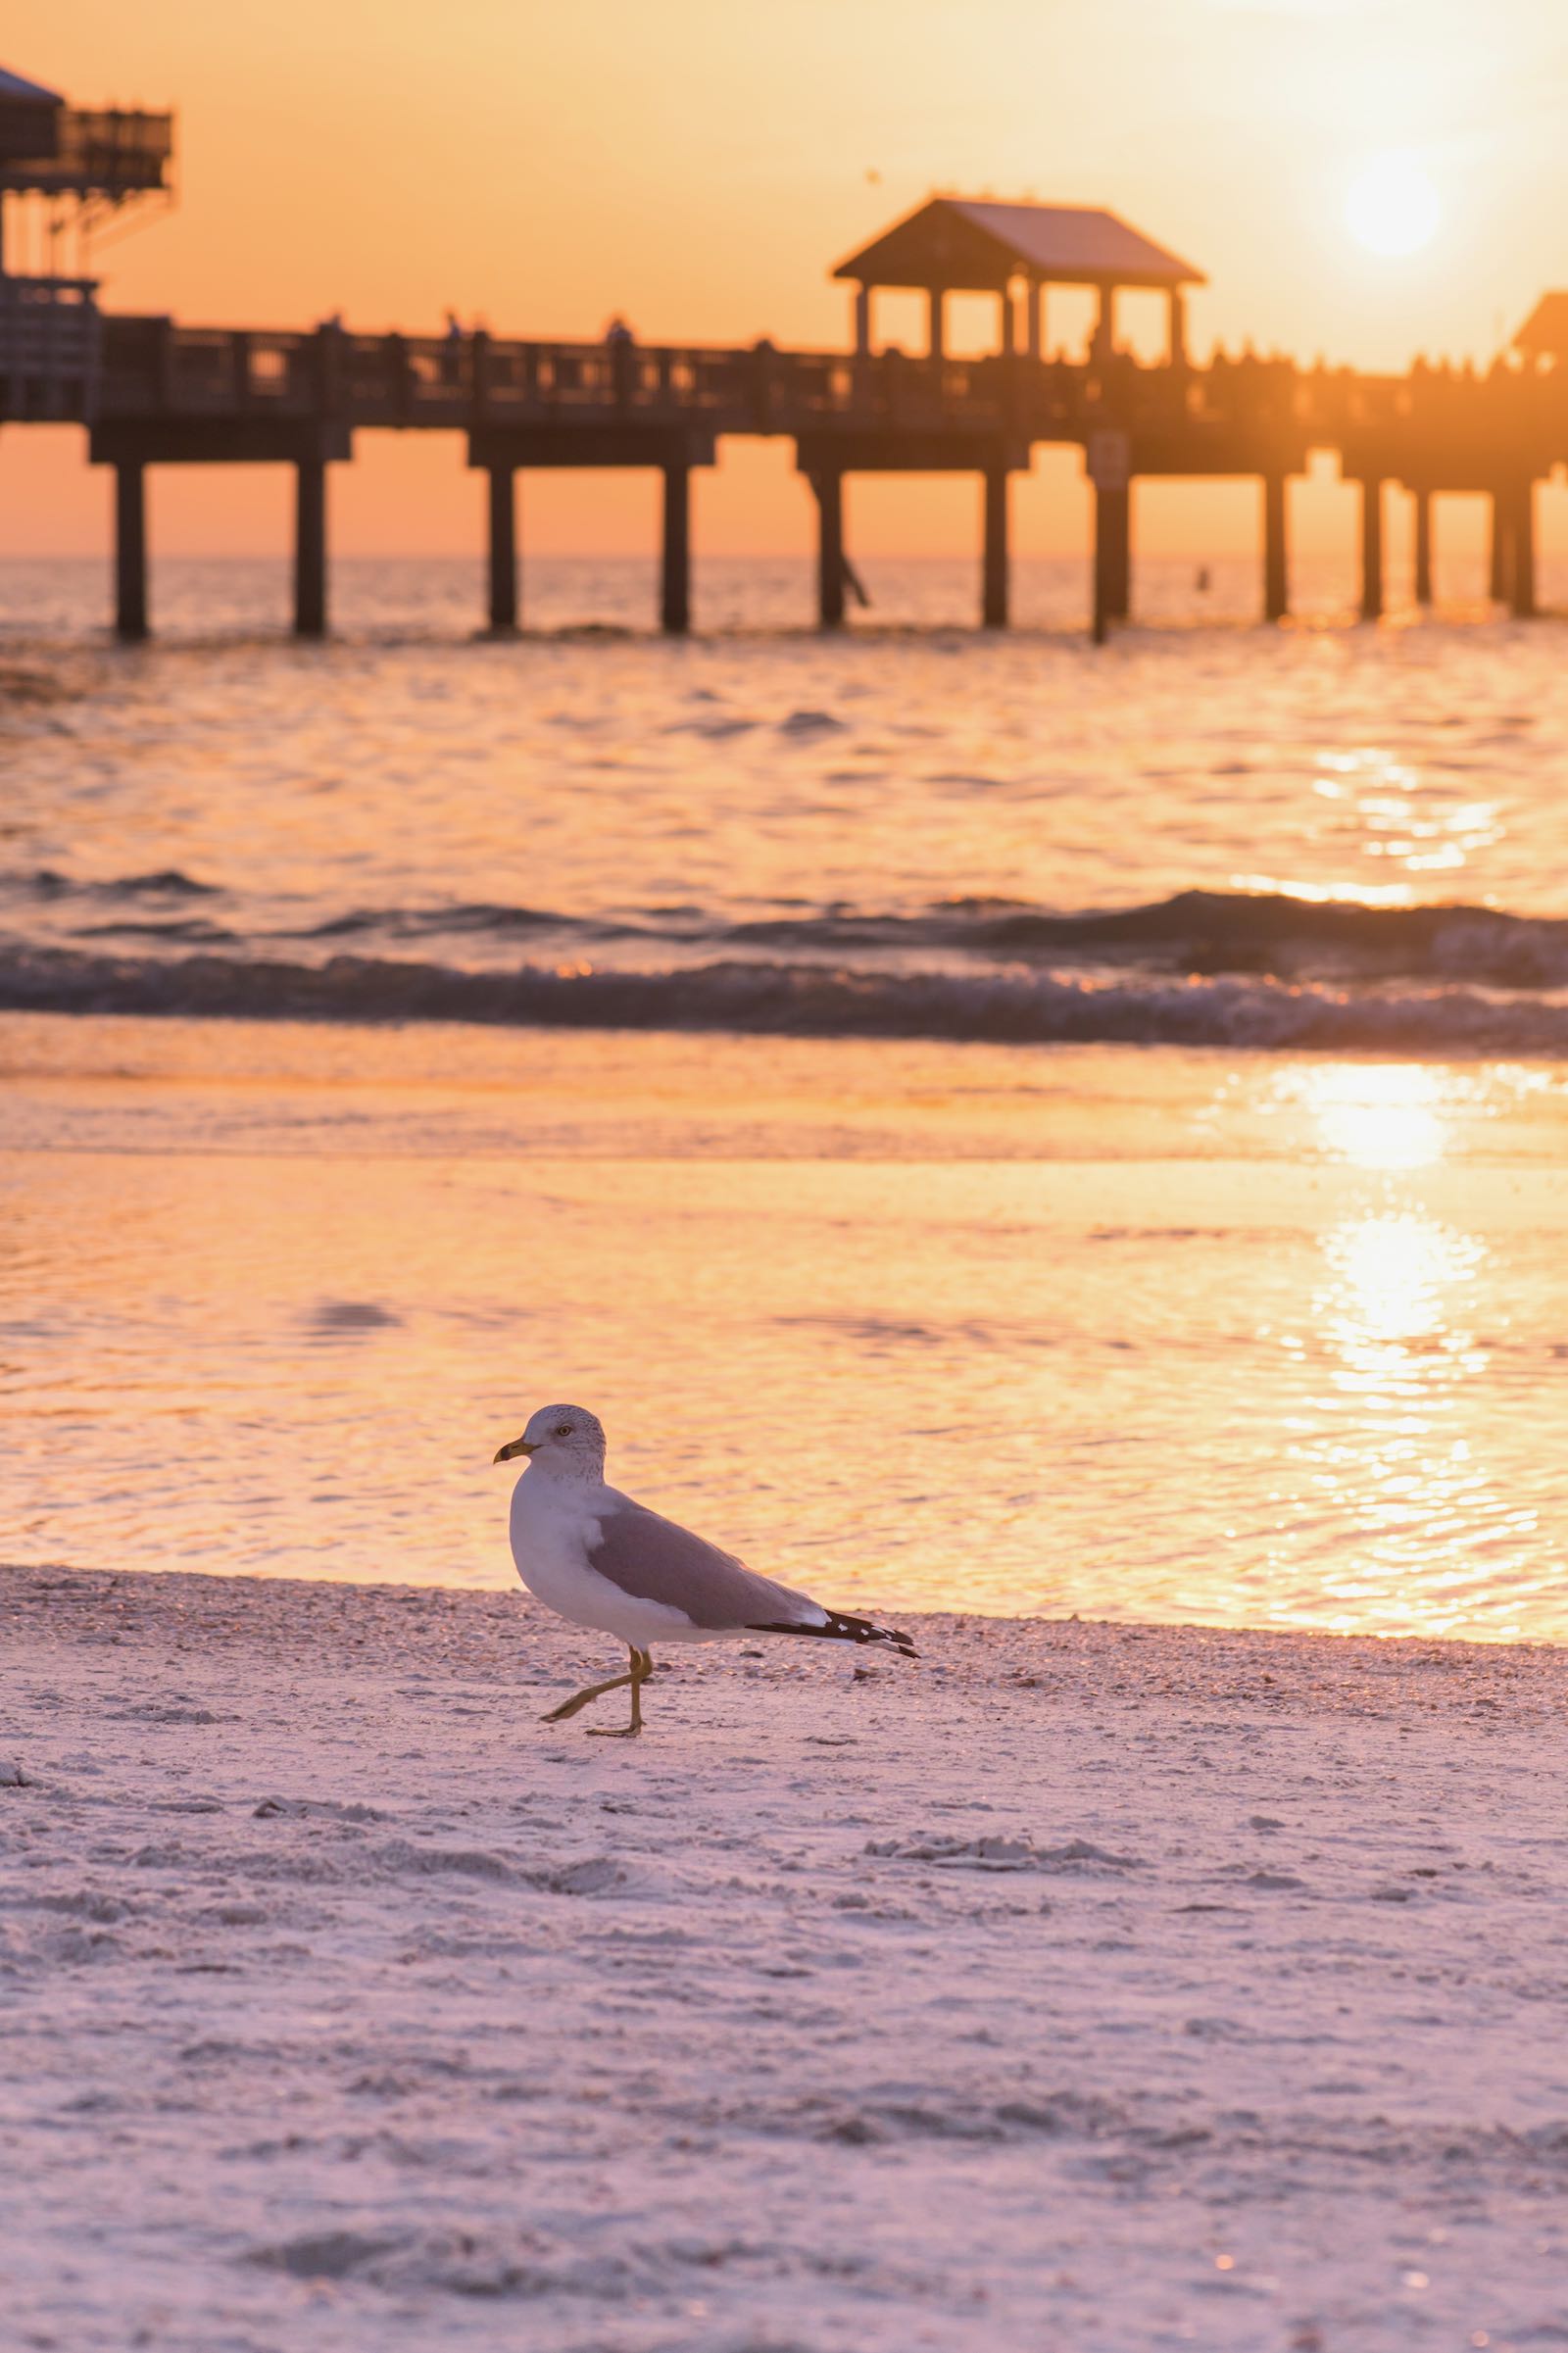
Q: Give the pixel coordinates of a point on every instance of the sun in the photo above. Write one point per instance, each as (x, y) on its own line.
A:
(1393, 207)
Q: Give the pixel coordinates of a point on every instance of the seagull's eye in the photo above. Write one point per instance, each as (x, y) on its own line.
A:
(562, 1430)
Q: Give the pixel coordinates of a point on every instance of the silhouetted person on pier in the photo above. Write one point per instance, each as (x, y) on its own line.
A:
(620, 343)
(764, 351)
(1425, 389)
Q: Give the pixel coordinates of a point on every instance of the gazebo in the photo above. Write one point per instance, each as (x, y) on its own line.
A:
(966, 245)
(1544, 334)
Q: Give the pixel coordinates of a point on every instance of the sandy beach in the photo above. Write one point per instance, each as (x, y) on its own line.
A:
(790, 785)
(1087, 1984)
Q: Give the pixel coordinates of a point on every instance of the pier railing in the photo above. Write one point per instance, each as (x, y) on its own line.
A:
(1231, 411)
(50, 348)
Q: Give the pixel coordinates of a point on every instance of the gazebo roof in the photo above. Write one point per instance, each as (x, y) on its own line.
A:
(1546, 330)
(969, 245)
(16, 90)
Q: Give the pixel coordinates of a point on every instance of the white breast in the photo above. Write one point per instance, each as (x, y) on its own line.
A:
(553, 1524)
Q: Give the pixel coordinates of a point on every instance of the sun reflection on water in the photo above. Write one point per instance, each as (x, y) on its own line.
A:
(1377, 1116)
(1391, 1452)
(1396, 1276)
(1397, 1519)
(1385, 807)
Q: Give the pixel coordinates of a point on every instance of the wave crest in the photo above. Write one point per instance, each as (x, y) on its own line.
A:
(1008, 1008)
(1202, 932)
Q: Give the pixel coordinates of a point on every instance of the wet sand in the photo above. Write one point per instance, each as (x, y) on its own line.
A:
(1273, 1341)
(1091, 1985)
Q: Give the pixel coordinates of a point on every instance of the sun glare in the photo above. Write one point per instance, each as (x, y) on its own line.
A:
(1393, 207)
(1378, 1115)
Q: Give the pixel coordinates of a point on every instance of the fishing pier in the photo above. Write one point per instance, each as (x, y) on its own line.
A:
(151, 391)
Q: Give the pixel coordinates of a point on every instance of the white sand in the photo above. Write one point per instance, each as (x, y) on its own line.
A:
(1086, 1987)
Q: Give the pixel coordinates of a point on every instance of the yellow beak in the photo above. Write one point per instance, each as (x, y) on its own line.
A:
(519, 1445)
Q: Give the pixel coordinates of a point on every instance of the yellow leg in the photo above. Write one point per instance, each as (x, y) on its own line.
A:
(595, 1691)
(642, 1666)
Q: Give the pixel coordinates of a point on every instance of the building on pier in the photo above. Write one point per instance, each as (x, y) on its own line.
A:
(968, 245)
(65, 171)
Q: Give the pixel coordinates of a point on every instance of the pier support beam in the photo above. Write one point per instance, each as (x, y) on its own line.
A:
(503, 550)
(1423, 547)
(994, 568)
(504, 450)
(1522, 551)
(1498, 564)
(1113, 551)
(675, 584)
(131, 553)
(248, 438)
(309, 548)
(1276, 551)
(1112, 561)
(1372, 548)
(830, 564)
(829, 453)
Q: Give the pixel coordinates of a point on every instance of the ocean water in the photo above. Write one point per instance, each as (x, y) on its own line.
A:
(989, 1124)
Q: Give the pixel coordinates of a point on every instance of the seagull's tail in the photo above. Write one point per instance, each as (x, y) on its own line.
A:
(836, 1628)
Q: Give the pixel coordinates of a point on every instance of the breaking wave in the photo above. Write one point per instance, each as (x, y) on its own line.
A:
(1012, 1006)
(1201, 968)
(1193, 932)
(45, 882)
(1222, 931)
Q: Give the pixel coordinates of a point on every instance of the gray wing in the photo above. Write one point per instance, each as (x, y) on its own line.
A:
(655, 1559)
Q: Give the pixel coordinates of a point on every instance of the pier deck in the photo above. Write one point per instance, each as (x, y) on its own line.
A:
(167, 394)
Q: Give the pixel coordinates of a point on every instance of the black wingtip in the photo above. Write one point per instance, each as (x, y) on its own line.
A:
(838, 1628)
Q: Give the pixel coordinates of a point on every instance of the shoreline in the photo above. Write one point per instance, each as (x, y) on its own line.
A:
(1090, 1982)
(511, 1596)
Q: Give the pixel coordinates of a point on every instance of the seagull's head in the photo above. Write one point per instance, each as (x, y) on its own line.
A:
(565, 1439)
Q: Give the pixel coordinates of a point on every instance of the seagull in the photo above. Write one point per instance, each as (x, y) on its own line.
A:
(605, 1562)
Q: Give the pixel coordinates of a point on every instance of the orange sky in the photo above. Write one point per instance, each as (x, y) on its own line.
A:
(699, 165)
